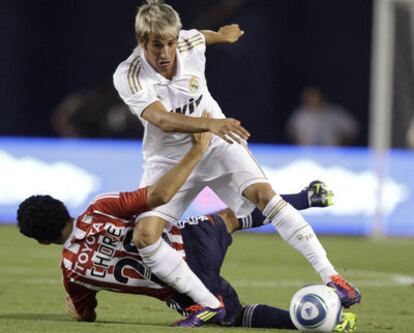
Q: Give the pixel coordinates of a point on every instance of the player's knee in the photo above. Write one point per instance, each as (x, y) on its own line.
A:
(260, 194)
(144, 238)
(147, 231)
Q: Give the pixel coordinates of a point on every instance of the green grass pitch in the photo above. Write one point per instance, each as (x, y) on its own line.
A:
(262, 268)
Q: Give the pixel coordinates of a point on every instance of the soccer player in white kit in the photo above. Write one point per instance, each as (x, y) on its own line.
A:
(164, 84)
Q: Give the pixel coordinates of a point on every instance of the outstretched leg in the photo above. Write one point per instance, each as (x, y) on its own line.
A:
(293, 228)
(265, 316)
(316, 194)
(167, 264)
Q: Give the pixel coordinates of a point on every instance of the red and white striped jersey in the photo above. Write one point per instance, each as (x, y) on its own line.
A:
(99, 255)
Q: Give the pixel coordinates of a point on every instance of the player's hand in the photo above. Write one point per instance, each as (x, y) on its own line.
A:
(231, 33)
(203, 139)
(71, 310)
(229, 130)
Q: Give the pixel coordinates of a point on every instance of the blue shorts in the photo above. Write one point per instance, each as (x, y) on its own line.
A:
(206, 241)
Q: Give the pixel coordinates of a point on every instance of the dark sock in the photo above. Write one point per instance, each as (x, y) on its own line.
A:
(297, 200)
(256, 218)
(265, 316)
(253, 220)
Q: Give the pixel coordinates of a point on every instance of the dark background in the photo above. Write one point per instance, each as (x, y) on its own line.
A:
(50, 49)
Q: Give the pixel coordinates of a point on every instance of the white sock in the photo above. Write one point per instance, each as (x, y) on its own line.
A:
(293, 228)
(167, 265)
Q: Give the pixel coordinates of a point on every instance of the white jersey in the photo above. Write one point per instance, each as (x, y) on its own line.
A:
(228, 169)
(139, 85)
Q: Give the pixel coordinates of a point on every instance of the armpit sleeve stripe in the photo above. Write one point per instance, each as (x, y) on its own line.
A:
(190, 47)
(189, 43)
(133, 72)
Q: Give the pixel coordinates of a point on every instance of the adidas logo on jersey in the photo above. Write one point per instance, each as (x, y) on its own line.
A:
(190, 107)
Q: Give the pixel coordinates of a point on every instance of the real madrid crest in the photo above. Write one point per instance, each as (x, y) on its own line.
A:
(193, 84)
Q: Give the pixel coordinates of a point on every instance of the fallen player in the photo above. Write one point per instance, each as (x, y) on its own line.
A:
(98, 255)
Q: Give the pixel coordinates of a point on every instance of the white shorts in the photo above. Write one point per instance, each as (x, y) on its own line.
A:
(228, 169)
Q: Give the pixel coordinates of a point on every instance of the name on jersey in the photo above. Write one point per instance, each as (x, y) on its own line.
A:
(101, 256)
(190, 107)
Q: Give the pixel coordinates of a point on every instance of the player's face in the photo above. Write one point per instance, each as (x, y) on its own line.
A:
(161, 54)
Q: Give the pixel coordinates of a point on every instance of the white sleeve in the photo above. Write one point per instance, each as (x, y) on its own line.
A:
(192, 40)
(139, 101)
(136, 94)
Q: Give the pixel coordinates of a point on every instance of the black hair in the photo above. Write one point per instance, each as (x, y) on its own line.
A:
(42, 217)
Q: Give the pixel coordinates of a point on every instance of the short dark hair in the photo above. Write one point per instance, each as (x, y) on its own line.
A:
(42, 217)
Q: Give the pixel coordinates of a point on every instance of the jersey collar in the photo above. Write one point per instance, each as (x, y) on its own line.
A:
(157, 76)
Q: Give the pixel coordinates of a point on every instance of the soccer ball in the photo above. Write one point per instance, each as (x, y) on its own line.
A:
(315, 308)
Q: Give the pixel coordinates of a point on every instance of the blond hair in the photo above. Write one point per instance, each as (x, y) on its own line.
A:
(156, 16)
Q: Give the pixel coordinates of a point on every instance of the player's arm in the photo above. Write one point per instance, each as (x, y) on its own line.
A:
(168, 185)
(80, 302)
(75, 315)
(228, 129)
(227, 34)
(125, 205)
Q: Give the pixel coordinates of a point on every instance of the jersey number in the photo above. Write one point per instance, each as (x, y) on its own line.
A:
(133, 263)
